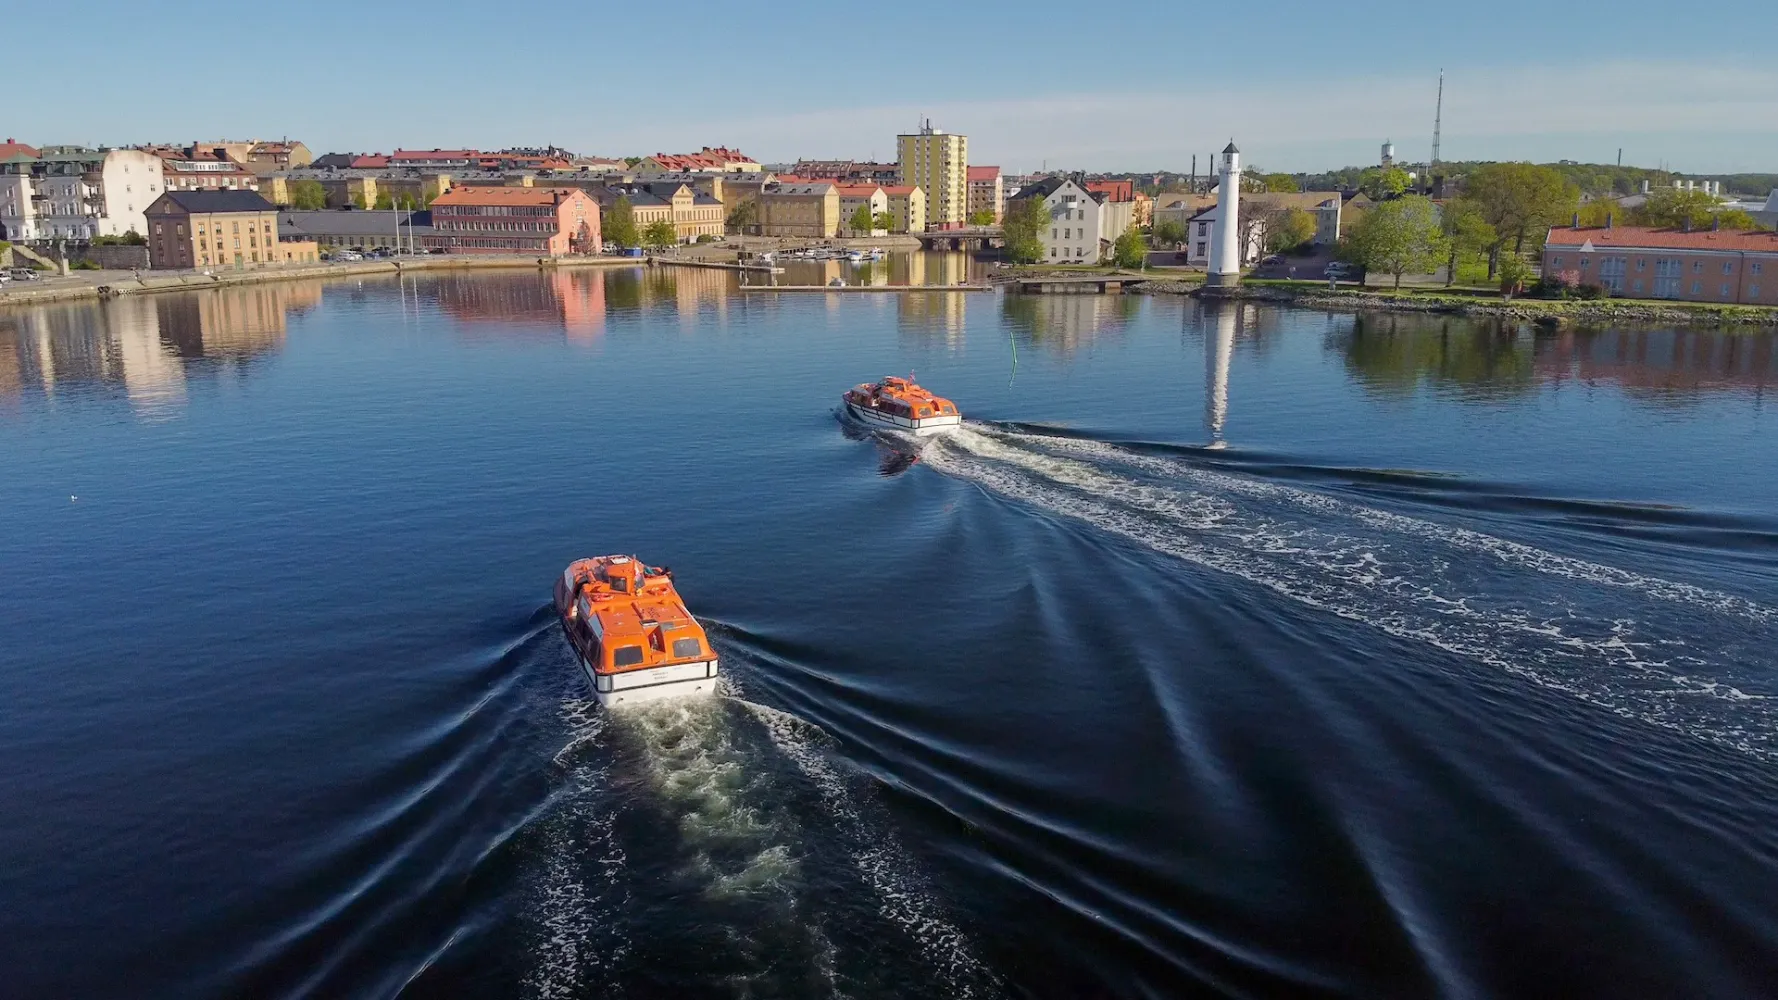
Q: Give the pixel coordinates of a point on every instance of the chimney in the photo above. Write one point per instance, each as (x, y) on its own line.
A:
(1575, 222)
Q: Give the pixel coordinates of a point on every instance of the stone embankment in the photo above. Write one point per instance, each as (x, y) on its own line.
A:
(1549, 313)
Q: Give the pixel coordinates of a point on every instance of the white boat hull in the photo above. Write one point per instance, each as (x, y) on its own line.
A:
(638, 687)
(917, 426)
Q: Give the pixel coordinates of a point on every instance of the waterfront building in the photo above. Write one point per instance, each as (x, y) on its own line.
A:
(1258, 210)
(710, 159)
(75, 193)
(807, 210)
(189, 229)
(198, 168)
(907, 204)
(856, 196)
(937, 163)
(987, 192)
(516, 220)
(692, 213)
(1077, 220)
(1704, 265)
(362, 230)
(1179, 207)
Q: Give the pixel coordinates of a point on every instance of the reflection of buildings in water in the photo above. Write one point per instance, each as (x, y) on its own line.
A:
(1066, 322)
(933, 312)
(498, 298)
(1672, 363)
(582, 298)
(696, 287)
(151, 346)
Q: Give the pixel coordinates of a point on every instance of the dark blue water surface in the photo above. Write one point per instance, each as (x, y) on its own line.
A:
(1225, 652)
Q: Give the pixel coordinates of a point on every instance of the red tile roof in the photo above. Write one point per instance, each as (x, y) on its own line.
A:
(370, 161)
(1643, 237)
(435, 154)
(505, 195)
(11, 148)
(708, 158)
(983, 173)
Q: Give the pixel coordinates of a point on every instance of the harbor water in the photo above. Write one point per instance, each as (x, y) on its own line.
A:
(1227, 651)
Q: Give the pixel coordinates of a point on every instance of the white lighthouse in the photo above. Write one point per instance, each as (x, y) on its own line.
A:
(1225, 250)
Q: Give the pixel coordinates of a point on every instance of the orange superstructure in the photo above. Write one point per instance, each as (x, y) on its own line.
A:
(634, 636)
(900, 404)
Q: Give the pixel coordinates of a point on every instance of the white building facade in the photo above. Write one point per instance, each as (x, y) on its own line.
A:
(70, 193)
(1075, 233)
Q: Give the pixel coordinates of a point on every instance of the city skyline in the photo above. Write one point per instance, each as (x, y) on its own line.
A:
(1688, 95)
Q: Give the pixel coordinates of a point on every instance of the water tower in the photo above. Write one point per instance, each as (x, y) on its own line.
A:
(1388, 154)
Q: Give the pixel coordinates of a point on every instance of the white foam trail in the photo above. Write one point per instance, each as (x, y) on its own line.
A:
(581, 932)
(1509, 552)
(1603, 660)
(885, 865)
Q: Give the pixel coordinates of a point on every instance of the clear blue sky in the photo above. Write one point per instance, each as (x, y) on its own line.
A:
(1300, 86)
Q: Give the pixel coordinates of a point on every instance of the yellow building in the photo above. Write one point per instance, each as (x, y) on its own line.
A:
(938, 164)
(908, 204)
(809, 210)
(188, 229)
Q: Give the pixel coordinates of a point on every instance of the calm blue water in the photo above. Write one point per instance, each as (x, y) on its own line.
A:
(1241, 652)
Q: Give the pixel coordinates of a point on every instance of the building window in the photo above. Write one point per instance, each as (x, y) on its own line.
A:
(1585, 263)
(1753, 291)
(1697, 288)
(1756, 267)
(1642, 263)
(1638, 286)
(1697, 267)
(1728, 268)
(1725, 289)
(1556, 261)
(1200, 247)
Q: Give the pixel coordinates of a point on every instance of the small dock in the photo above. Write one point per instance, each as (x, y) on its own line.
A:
(714, 265)
(1078, 284)
(867, 288)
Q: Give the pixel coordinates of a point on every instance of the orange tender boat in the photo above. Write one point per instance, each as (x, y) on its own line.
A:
(635, 639)
(898, 404)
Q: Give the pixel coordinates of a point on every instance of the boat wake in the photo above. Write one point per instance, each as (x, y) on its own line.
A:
(1605, 635)
(716, 838)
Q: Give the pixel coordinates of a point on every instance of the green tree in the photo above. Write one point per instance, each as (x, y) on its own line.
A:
(1467, 236)
(1381, 184)
(619, 224)
(385, 200)
(861, 219)
(1130, 250)
(1399, 237)
(1515, 274)
(1169, 232)
(744, 217)
(660, 234)
(358, 201)
(1026, 219)
(1671, 208)
(1281, 182)
(982, 217)
(1521, 201)
(308, 196)
(1293, 229)
(884, 221)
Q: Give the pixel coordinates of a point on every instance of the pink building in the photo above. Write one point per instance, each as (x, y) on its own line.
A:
(518, 220)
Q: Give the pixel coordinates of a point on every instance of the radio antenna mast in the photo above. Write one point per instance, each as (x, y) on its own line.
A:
(1438, 116)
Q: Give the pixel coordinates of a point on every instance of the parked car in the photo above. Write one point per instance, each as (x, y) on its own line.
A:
(23, 274)
(1337, 269)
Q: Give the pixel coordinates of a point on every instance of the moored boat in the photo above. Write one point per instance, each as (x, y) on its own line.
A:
(899, 404)
(633, 635)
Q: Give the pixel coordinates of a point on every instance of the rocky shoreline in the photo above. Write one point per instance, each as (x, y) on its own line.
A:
(1549, 313)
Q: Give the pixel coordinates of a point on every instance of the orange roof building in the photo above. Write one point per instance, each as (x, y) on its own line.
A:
(535, 221)
(1694, 265)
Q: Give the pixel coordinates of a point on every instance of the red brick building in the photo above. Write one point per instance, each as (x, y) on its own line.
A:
(1704, 265)
(537, 221)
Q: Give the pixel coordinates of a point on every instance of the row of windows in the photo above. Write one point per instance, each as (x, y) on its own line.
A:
(497, 227)
(497, 210)
(1668, 288)
(1662, 264)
